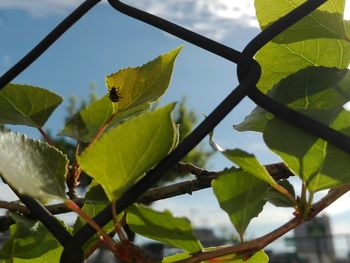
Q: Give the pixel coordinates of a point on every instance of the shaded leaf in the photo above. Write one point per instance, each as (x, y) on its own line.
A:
(163, 226)
(325, 22)
(32, 167)
(280, 200)
(29, 240)
(126, 152)
(26, 105)
(318, 163)
(240, 194)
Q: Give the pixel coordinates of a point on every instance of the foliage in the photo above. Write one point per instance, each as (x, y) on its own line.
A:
(121, 139)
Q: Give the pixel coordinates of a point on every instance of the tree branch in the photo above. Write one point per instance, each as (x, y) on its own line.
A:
(203, 180)
(250, 247)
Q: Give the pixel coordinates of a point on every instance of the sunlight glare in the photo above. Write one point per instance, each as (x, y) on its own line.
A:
(347, 10)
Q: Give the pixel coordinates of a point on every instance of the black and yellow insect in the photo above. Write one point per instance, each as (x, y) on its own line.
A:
(114, 94)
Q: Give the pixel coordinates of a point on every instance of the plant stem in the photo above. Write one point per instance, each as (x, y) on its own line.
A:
(104, 237)
(103, 127)
(117, 226)
(308, 205)
(45, 136)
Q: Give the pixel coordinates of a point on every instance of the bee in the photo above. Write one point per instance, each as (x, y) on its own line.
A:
(114, 94)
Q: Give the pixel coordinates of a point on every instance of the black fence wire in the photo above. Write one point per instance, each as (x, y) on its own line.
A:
(248, 72)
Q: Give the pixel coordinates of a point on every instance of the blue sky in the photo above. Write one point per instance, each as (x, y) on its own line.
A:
(105, 41)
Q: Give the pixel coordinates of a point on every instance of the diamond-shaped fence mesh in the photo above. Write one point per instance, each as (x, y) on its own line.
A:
(248, 72)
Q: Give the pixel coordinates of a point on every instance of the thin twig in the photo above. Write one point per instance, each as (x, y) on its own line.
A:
(203, 180)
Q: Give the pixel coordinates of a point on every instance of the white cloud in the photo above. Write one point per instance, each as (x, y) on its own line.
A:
(216, 19)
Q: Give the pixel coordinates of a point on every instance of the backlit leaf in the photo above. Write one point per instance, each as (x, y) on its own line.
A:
(325, 22)
(278, 61)
(32, 167)
(143, 84)
(126, 152)
(138, 87)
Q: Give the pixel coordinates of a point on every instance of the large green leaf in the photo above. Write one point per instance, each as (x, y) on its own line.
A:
(164, 227)
(241, 195)
(319, 93)
(313, 88)
(278, 61)
(32, 167)
(26, 105)
(325, 22)
(126, 152)
(318, 163)
(29, 240)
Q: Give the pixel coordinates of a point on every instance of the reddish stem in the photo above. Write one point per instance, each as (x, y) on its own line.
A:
(103, 127)
(45, 136)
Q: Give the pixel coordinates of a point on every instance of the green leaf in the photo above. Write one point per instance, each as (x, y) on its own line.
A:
(280, 200)
(143, 84)
(52, 256)
(138, 87)
(318, 163)
(126, 152)
(26, 105)
(176, 258)
(32, 167)
(325, 22)
(84, 125)
(278, 61)
(248, 163)
(258, 257)
(240, 194)
(313, 88)
(164, 227)
(29, 240)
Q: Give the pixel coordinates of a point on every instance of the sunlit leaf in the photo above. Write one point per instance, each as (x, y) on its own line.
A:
(143, 84)
(325, 22)
(26, 105)
(278, 61)
(32, 167)
(163, 226)
(126, 152)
